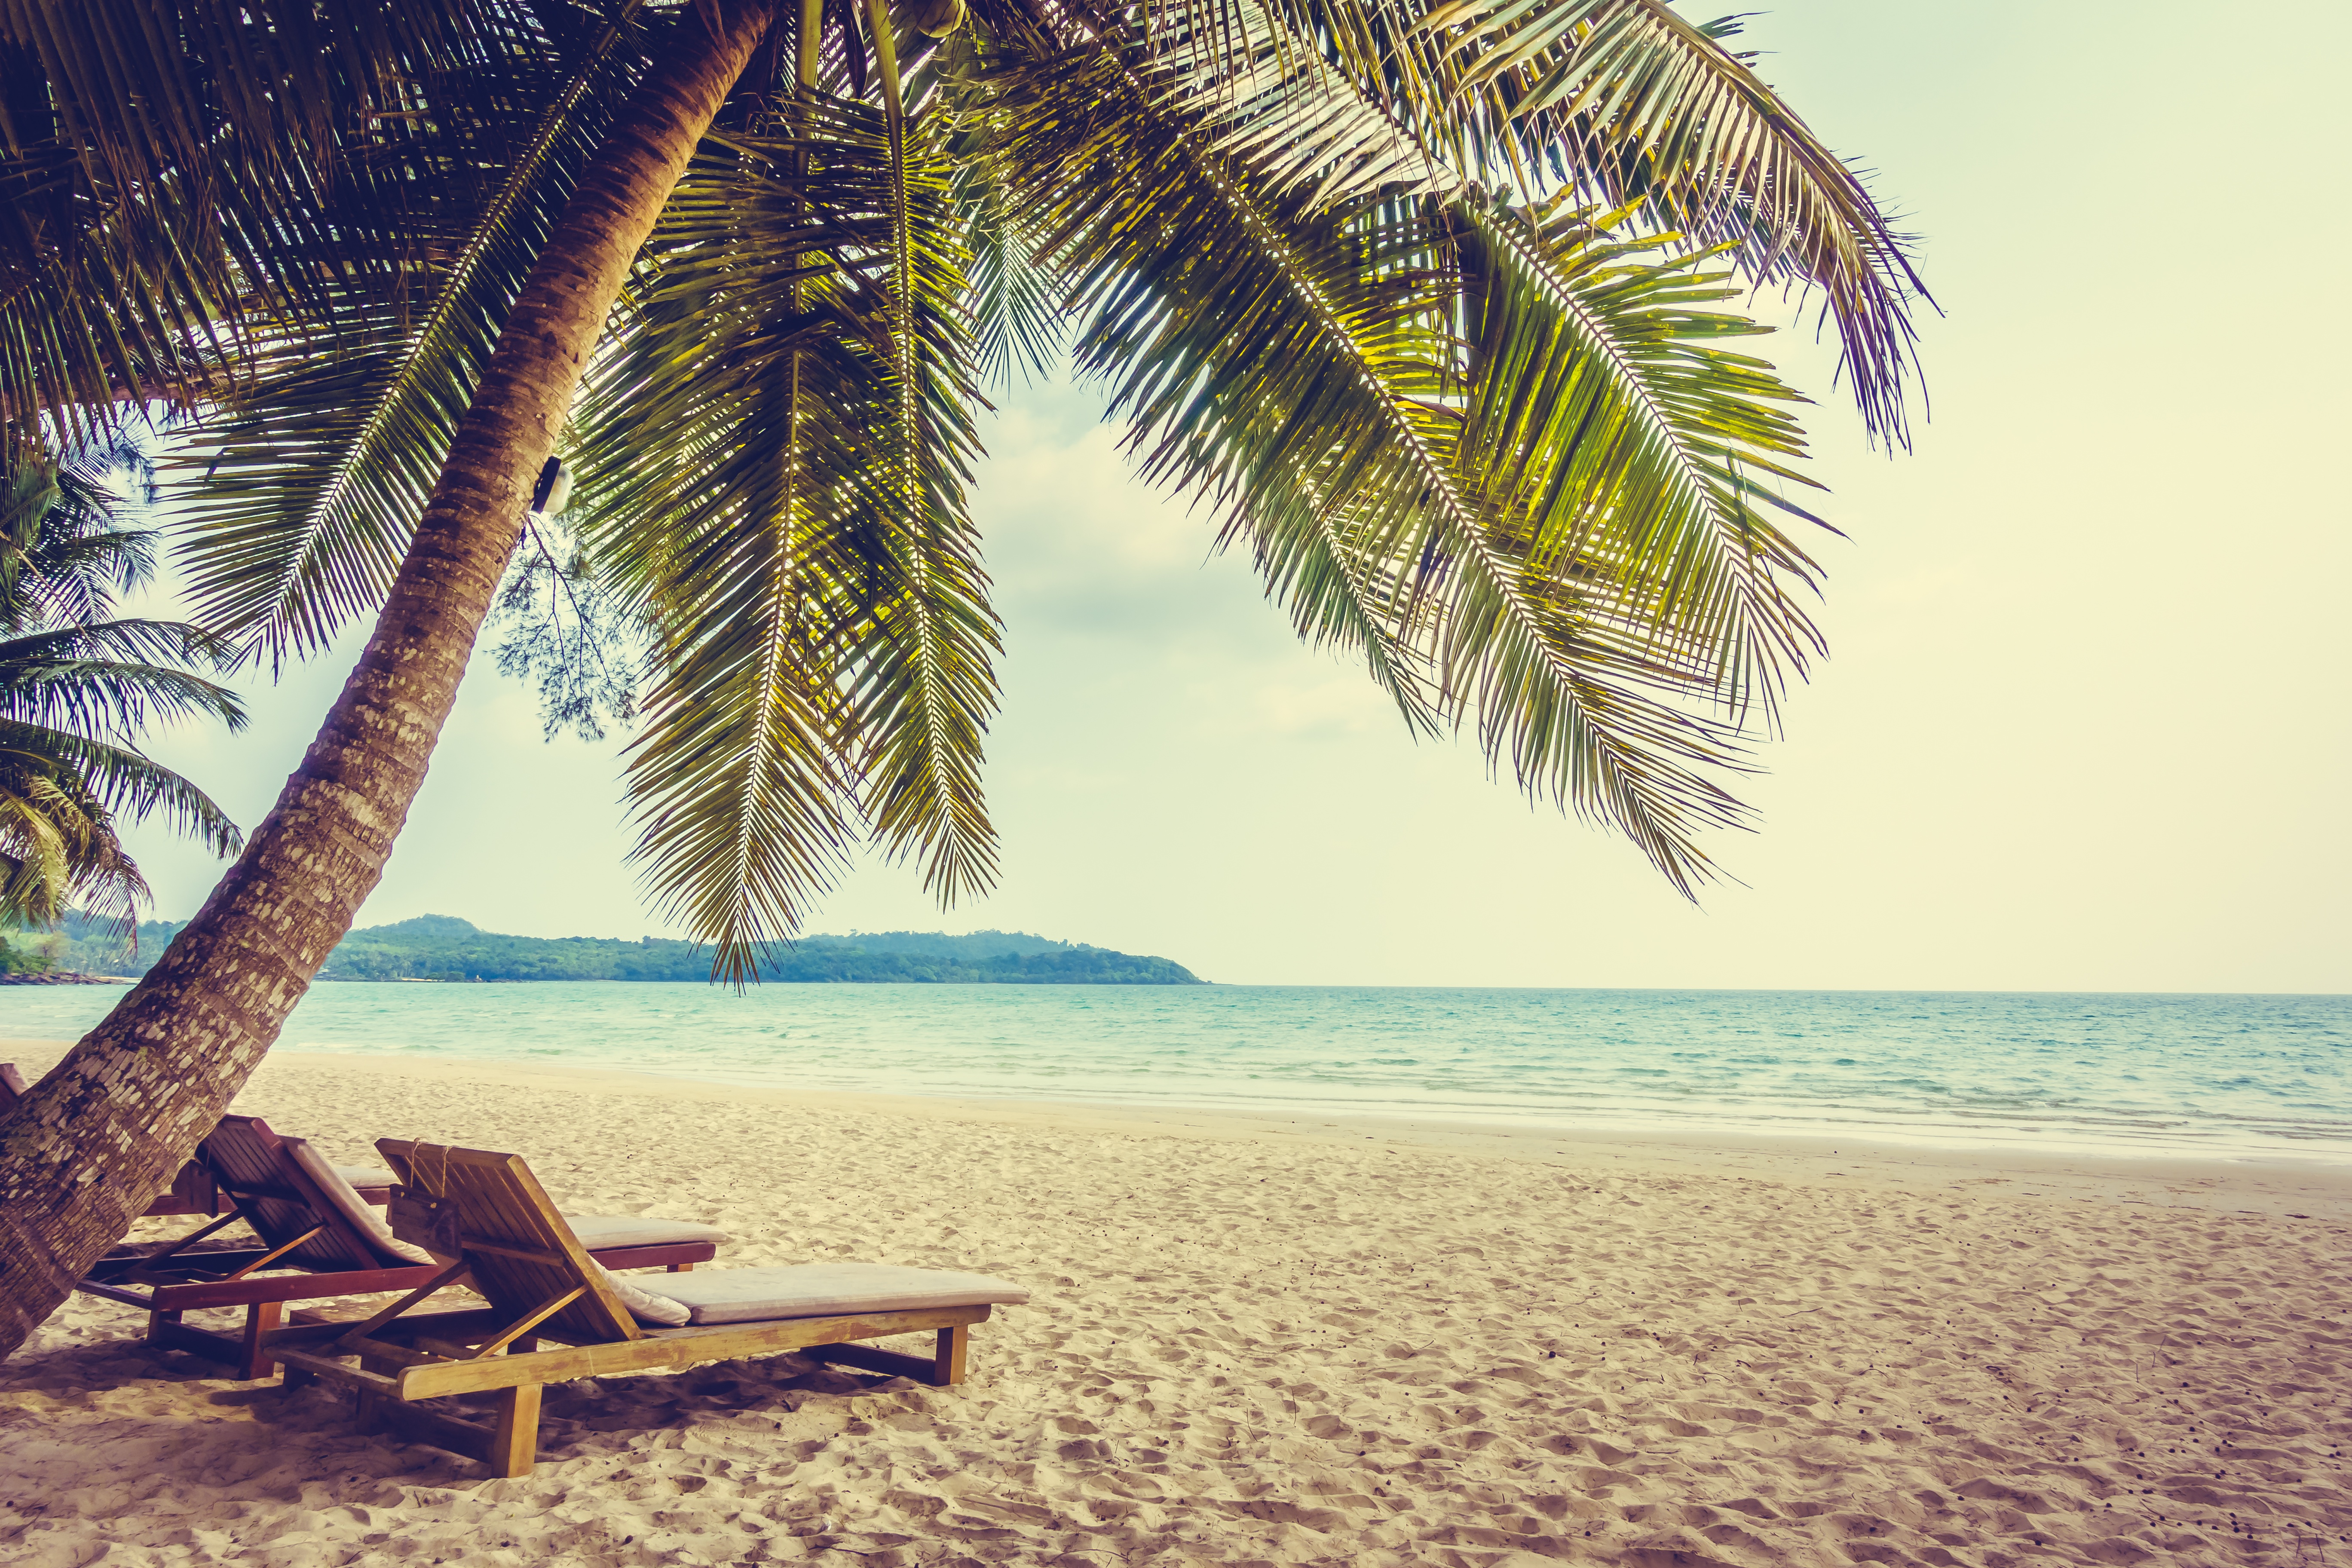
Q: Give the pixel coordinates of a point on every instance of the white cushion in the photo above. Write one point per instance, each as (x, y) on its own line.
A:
(643, 1305)
(826, 1290)
(361, 1216)
(366, 1176)
(598, 1232)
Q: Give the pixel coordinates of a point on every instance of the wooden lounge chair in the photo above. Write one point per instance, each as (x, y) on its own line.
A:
(191, 1191)
(543, 1285)
(308, 1218)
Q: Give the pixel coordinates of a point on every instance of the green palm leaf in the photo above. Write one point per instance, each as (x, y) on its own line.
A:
(1621, 450)
(126, 782)
(312, 480)
(114, 675)
(731, 485)
(156, 167)
(1654, 109)
(1546, 515)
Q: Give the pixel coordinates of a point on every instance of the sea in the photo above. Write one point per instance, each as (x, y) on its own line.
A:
(2217, 1077)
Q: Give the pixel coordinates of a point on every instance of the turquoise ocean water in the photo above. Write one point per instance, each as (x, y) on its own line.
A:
(2224, 1076)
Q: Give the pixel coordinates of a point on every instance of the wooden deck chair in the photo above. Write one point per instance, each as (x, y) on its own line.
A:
(553, 1315)
(191, 1191)
(314, 1226)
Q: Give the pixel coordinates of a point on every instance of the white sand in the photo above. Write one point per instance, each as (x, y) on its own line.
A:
(1266, 1343)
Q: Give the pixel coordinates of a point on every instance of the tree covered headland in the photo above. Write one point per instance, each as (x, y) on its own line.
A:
(442, 947)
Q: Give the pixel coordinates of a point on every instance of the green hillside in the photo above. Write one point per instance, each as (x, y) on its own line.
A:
(442, 947)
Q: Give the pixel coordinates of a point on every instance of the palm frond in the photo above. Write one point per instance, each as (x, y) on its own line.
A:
(68, 547)
(1619, 101)
(59, 847)
(1621, 448)
(730, 481)
(126, 782)
(1528, 483)
(109, 298)
(305, 487)
(926, 701)
(117, 676)
(1014, 296)
(1637, 105)
(156, 164)
(1270, 95)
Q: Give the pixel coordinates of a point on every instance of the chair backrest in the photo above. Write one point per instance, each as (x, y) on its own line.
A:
(12, 1085)
(280, 1200)
(520, 1252)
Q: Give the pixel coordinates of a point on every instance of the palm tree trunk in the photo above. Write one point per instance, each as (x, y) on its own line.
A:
(97, 1139)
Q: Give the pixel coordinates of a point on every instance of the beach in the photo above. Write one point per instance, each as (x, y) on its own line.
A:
(1262, 1340)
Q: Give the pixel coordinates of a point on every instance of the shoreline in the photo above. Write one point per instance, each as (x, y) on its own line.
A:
(2283, 1186)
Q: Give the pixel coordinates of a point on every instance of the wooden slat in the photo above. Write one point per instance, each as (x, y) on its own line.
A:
(214, 1254)
(874, 1358)
(426, 1349)
(171, 1334)
(252, 1359)
(155, 1260)
(670, 1348)
(675, 1256)
(529, 1320)
(447, 1277)
(303, 1335)
(274, 1253)
(201, 1293)
(539, 1255)
(501, 1205)
(467, 1437)
(116, 1293)
(332, 1370)
(283, 1195)
(943, 1368)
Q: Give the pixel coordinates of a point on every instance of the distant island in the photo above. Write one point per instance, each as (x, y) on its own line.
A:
(445, 948)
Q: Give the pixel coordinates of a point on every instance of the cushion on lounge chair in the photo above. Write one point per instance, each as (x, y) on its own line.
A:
(365, 1175)
(826, 1290)
(644, 1305)
(355, 1210)
(599, 1232)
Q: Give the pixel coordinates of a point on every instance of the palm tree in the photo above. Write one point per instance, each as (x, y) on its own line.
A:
(78, 686)
(1426, 303)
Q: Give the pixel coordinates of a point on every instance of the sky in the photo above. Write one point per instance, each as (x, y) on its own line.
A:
(2082, 725)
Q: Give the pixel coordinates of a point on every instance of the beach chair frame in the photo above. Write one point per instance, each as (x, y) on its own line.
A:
(539, 1287)
(171, 1280)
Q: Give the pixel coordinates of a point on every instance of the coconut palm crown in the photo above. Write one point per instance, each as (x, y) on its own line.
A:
(1427, 303)
(79, 687)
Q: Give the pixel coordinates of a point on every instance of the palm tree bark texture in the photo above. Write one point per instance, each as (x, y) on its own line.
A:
(96, 1140)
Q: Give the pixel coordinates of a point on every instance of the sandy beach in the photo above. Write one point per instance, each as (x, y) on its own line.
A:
(1265, 1341)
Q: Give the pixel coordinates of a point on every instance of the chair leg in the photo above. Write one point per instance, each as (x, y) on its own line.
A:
(947, 1366)
(514, 1446)
(366, 1407)
(681, 1269)
(157, 1332)
(253, 1359)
